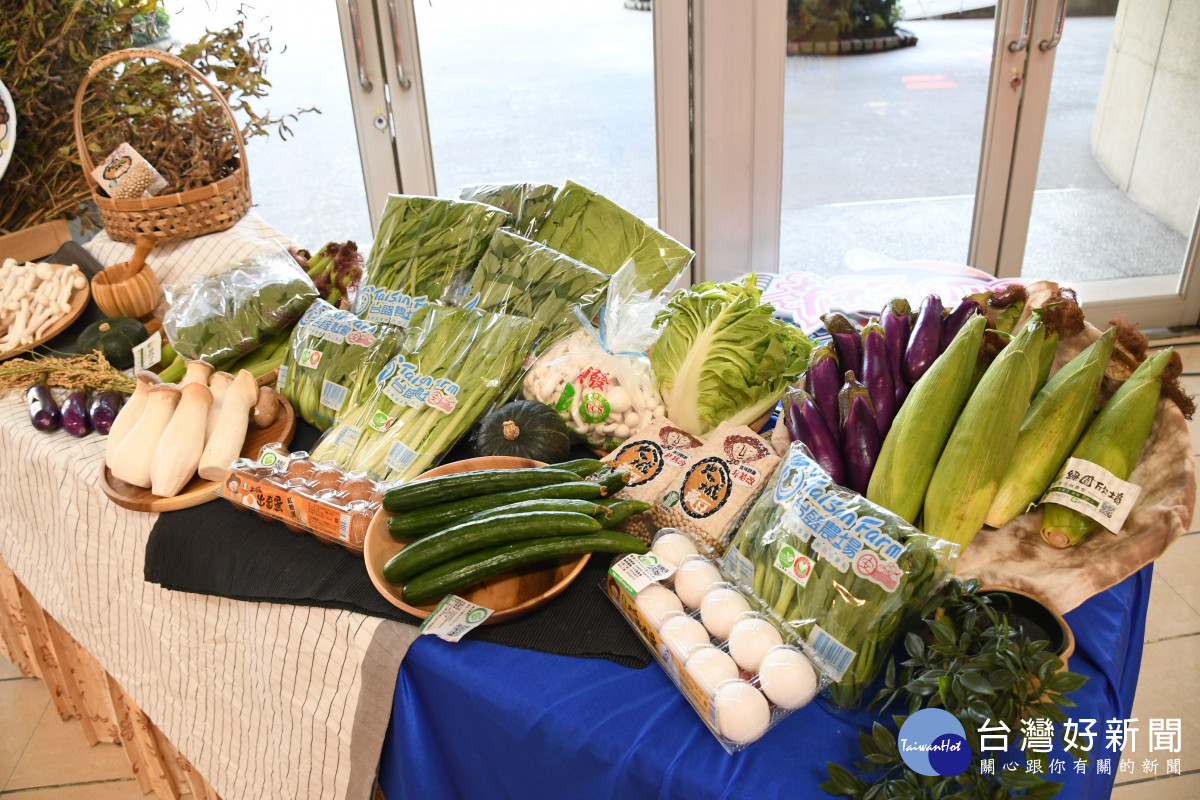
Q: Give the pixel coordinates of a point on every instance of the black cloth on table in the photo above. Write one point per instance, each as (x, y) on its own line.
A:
(217, 549)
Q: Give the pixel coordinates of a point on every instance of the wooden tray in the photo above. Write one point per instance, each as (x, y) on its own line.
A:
(509, 595)
(198, 491)
(79, 302)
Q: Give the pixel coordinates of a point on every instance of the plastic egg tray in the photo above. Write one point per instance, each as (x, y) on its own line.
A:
(740, 670)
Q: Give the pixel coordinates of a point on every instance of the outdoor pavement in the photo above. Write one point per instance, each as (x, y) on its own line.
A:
(881, 151)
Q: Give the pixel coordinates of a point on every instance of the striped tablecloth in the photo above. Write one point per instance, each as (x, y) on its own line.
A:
(265, 700)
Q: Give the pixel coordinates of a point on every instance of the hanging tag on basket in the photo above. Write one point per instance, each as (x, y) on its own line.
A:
(454, 618)
(125, 174)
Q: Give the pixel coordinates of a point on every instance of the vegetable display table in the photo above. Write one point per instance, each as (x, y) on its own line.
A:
(479, 720)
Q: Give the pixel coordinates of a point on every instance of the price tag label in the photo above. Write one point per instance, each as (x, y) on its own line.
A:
(148, 353)
(1094, 492)
(454, 618)
(635, 572)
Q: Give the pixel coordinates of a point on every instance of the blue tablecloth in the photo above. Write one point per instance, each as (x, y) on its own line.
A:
(476, 720)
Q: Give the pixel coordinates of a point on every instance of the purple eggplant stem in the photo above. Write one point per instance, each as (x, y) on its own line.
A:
(847, 340)
(925, 342)
(805, 424)
(877, 376)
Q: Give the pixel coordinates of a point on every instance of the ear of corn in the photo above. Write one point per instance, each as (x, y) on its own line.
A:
(1056, 419)
(1046, 361)
(920, 429)
(967, 476)
(1114, 441)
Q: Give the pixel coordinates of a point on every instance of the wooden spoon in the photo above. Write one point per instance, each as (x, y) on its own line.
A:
(145, 243)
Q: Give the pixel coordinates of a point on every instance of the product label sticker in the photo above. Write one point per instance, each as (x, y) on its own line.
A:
(400, 456)
(281, 380)
(635, 572)
(835, 655)
(442, 395)
(380, 422)
(706, 488)
(310, 358)
(454, 618)
(738, 567)
(566, 399)
(380, 304)
(795, 565)
(642, 459)
(881, 572)
(344, 527)
(360, 337)
(593, 407)
(270, 458)
(148, 353)
(333, 395)
(1094, 492)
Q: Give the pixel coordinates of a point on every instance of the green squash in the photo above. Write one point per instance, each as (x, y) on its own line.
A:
(525, 429)
(114, 338)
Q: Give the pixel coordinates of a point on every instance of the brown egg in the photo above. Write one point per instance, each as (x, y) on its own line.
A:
(358, 530)
(299, 471)
(325, 479)
(358, 488)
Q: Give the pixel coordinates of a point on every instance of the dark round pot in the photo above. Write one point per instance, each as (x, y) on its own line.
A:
(1037, 620)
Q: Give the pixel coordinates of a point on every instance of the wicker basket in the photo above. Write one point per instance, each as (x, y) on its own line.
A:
(168, 217)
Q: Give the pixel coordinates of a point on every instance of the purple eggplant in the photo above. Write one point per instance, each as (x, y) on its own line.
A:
(74, 414)
(953, 323)
(896, 326)
(43, 411)
(824, 380)
(877, 376)
(847, 340)
(925, 342)
(860, 443)
(103, 410)
(805, 424)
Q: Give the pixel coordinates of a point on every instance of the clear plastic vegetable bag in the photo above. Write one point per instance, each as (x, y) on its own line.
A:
(529, 203)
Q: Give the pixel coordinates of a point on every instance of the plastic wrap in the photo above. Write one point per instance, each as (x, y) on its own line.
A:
(452, 367)
(423, 246)
(838, 570)
(521, 277)
(590, 227)
(223, 316)
(600, 381)
(740, 669)
(322, 360)
(528, 203)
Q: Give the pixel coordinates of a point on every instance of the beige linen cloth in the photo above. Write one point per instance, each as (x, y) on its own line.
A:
(1015, 555)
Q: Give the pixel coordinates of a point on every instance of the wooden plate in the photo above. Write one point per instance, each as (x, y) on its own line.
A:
(198, 491)
(509, 595)
(79, 302)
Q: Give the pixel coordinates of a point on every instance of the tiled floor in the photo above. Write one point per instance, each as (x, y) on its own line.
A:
(43, 758)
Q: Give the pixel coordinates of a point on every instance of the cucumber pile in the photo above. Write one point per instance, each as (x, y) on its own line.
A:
(470, 526)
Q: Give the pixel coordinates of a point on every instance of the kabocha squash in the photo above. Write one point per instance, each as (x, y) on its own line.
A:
(524, 429)
(114, 338)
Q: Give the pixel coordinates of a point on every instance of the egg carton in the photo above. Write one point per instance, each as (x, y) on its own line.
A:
(739, 668)
(304, 495)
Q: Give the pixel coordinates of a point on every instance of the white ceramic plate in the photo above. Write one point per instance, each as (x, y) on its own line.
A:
(8, 129)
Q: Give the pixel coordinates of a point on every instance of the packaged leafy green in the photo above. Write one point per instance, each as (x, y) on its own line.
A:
(322, 359)
(221, 317)
(840, 571)
(590, 227)
(521, 277)
(423, 245)
(529, 203)
(452, 366)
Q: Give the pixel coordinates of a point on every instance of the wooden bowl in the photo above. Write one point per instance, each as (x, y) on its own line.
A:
(136, 297)
(509, 595)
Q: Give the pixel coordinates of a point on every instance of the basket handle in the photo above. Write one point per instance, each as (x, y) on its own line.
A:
(107, 60)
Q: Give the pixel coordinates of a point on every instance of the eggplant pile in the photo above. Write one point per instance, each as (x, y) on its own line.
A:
(79, 413)
(858, 383)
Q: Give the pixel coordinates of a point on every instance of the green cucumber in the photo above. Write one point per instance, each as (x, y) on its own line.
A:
(464, 571)
(581, 466)
(589, 508)
(622, 510)
(459, 485)
(438, 548)
(614, 482)
(411, 524)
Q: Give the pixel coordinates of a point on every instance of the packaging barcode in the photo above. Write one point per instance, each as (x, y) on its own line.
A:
(1108, 509)
(333, 395)
(835, 654)
(344, 528)
(281, 379)
(399, 456)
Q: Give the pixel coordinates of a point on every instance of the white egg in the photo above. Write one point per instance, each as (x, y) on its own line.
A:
(672, 547)
(693, 579)
(682, 634)
(742, 712)
(709, 667)
(655, 602)
(719, 610)
(787, 678)
(750, 640)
